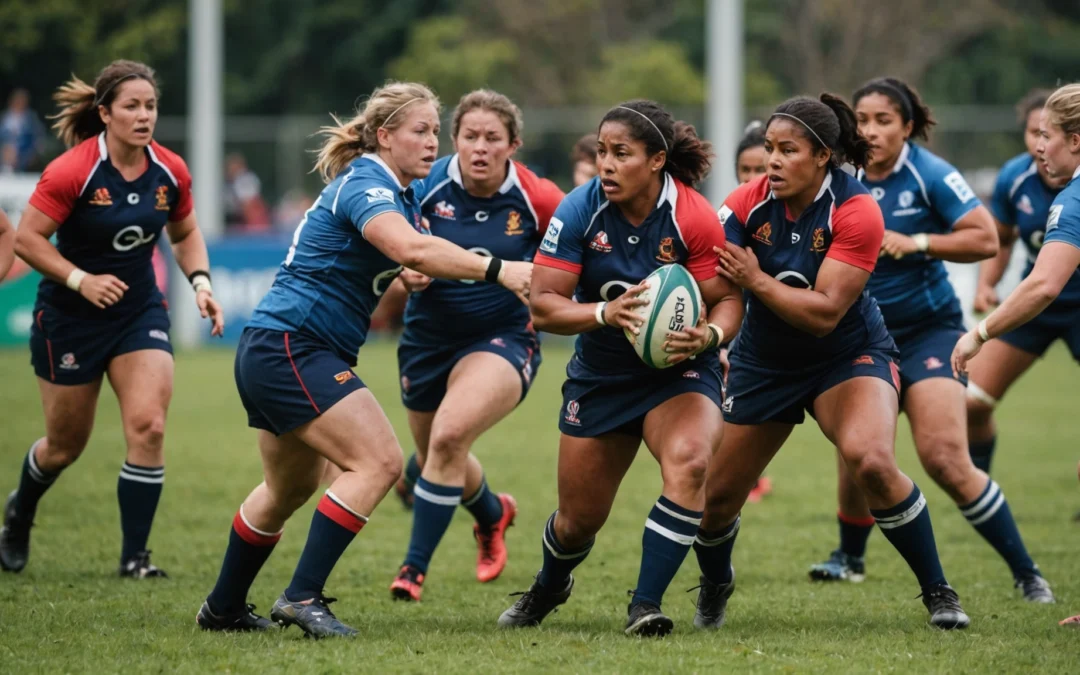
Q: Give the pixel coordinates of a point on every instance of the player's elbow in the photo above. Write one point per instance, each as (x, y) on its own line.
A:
(824, 325)
(1045, 289)
(988, 244)
(24, 242)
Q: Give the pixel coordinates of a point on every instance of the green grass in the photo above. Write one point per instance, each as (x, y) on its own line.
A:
(68, 612)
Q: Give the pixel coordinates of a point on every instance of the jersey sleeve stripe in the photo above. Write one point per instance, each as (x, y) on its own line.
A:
(431, 193)
(153, 156)
(547, 261)
(918, 179)
(1028, 173)
(333, 207)
(390, 208)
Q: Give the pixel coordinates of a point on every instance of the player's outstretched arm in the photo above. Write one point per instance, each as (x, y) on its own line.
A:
(437, 257)
(7, 245)
(973, 238)
(189, 249)
(32, 245)
(554, 311)
(993, 269)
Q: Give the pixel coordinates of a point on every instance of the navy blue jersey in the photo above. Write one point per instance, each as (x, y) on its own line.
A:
(508, 225)
(332, 277)
(1022, 200)
(844, 224)
(108, 225)
(1063, 223)
(592, 239)
(923, 194)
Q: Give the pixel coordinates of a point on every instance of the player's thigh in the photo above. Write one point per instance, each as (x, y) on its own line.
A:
(420, 428)
(937, 411)
(483, 388)
(356, 435)
(590, 471)
(143, 382)
(744, 452)
(998, 365)
(291, 468)
(858, 416)
(682, 433)
(69, 416)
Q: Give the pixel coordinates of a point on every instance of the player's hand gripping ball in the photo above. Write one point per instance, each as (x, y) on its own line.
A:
(674, 305)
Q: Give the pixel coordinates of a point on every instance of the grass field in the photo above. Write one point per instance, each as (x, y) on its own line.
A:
(67, 612)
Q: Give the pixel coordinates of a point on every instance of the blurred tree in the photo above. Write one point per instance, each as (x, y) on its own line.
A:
(646, 69)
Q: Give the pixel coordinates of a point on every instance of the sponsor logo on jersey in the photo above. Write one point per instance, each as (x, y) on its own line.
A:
(498, 342)
(344, 376)
(526, 373)
(159, 335)
(817, 241)
(764, 234)
(1055, 215)
(906, 199)
(933, 363)
(513, 224)
(667, 250)
(692, 375)
(131, 237)
(729, 403)
(600, 242)
(795, 237)
(379, 194)
(877, 193)
(572, 409)
(1024, 205)
(101, 197)
(550, 244)
(67, 362)
(959, 186)
(723, 214)
(864, 360)
(161, 198)
(444, 210)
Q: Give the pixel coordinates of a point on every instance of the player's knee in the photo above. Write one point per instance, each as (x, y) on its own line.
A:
(686, 462)
(576, 528)
(63, 448)
(147, 430)
(449, 440)
(948, 463)
(874, 468)
(387, 466)
(722, 503)
(980, 415)
(290, 497)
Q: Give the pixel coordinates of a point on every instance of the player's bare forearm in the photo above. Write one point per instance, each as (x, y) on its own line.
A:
(974, 238)
(1055, 265)
(555, 313)
(188, 246)
(806, 309)
(441, 259)
(992, 269)
(7, 245)
(725, 303)
(32, 245)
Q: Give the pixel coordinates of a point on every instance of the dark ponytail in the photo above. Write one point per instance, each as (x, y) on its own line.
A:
(853, 146)
(907, 101)
(689, 158)
(79, 118)
(828, 123)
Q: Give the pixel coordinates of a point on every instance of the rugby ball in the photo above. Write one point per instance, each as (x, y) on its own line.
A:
(674, 305)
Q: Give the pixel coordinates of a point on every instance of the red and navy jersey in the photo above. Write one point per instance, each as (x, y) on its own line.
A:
(591, 238)
(843, 223)
(109, 225)
(507, 225)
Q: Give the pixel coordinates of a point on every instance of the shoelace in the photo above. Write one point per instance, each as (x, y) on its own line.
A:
(948, 598)
(485, 541)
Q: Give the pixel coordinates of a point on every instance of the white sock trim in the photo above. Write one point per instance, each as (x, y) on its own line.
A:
(255, 529)
(681, 539)
(708, 543)
(976, 392)
(673, 514)
(142, 479)
(991, 491)
(441, 500)
(342, 504)
(901, 519)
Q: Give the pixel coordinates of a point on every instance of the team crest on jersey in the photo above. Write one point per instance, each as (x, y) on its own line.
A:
(692, 375)
(906, 199)
(600, 243)
(101, 197)
(1024, 205)
(378, 194)
(572, 409)
(667, 250)
(161, 198)
(444, 210)
(344, 376)
(864, 360)
(933, 363)
(764, 234)
(513, 224)
(498, 342)
(67, 362)
(817, 242)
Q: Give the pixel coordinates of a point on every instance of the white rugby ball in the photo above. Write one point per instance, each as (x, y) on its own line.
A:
(674, 305)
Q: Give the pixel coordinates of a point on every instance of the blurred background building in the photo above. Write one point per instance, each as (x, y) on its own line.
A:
(287, 64)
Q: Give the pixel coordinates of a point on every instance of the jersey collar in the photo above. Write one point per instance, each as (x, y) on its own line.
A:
(378, 160)
(103, 150)
(1077, 172)
(901, 159)
(453, 171)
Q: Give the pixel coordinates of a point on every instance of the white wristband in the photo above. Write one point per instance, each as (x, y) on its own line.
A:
(981, 330)
(201, 283)
(600, 313)
(74, 280)
(922, 241)
(719, 334)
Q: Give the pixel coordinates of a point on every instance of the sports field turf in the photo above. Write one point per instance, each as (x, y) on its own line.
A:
(68, 612)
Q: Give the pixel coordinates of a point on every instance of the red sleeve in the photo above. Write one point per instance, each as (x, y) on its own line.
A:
(558, 263)
(60, 184)
(857, 230)
(543, 195)
(745, 197)
(701, 231)
(178, 170)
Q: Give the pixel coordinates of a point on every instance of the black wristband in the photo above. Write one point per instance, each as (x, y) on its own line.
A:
(198, 273)
(494, 267)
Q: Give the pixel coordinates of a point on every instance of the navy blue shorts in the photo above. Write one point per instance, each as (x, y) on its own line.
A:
(928, 354)
(599, 403)
(286, 380)
(68, 350)
(425, 369)
(758, 393)
(1056, 321)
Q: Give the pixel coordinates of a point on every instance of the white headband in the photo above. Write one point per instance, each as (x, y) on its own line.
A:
(391, 116)
(823, 143)
(662, 139)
